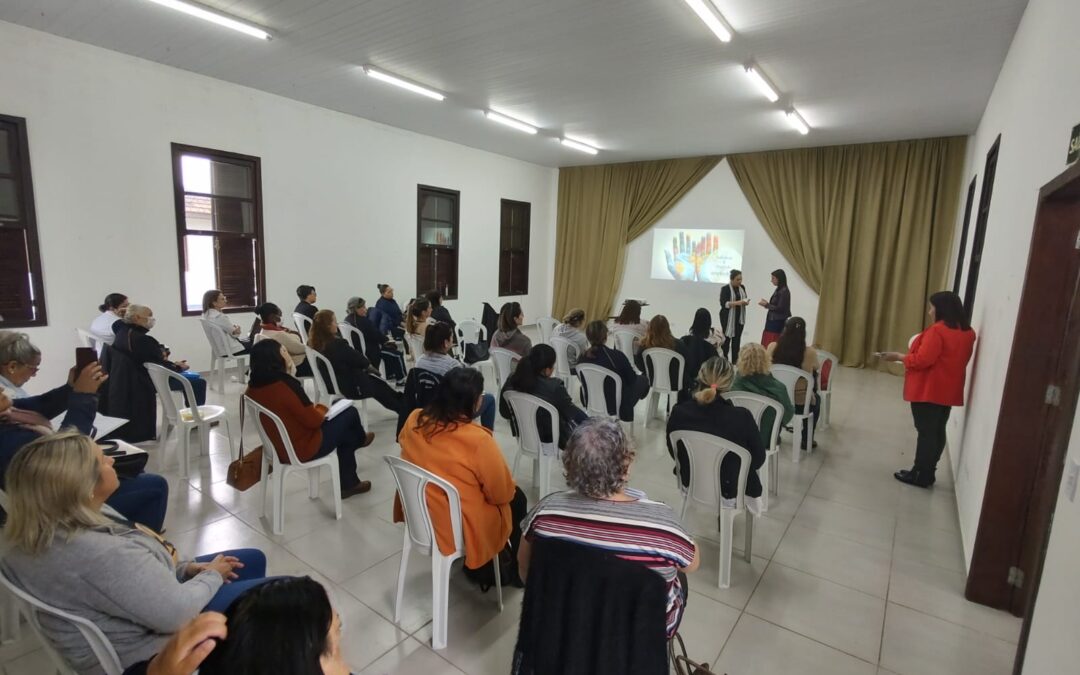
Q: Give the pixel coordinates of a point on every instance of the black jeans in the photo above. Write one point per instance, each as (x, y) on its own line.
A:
(485, 574)
(733, 342)
(344, 435)
(930, 420)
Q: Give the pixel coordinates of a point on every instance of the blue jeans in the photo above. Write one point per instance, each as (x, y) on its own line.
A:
(142, 499)
(487, 412)
(198, 387)
(251, 574)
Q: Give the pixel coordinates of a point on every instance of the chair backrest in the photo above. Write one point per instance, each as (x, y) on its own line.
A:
(325, 377)
(546, 324)
(505, 361)
(826, 367)
(624, 342)
(31, 608)
(470, 331)
(353, 335)
(257, 412)
(706, 453)
(525, 406)
(757, 405)
(416, 344)
(215, 335)
(412, 483)
(562, 348)
(160, 376)
(84, 338)
(592, 380)
(303, 325)
(659, 359)
(790, 376)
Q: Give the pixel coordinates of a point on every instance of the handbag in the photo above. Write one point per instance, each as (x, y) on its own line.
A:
(682, 664)
(247, 471)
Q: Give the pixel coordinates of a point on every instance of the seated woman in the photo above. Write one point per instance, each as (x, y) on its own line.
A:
(436, 359)
(698, 346)
(658, 336)
(509, 335)
(571, 329)
(284, 626)
(141, 497)
(711, 413)
(271, 328)
(629, 319)
(601, 510)
(356, 377)
(533, 376)
(72, 552)
(790, 349)
(308, 297)
(390, 316)
(442, 439)
(439, 312)
(272, 385)
(755, 376)
(213, 302)
(112, 310)
(133, 339)
(635, 386)
(418, 318)
(381, 349)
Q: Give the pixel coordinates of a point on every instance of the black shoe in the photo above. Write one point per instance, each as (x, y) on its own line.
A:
(914, 477)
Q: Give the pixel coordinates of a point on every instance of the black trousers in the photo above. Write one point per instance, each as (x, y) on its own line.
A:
(930, 420)
(485, 575)
(733, 343)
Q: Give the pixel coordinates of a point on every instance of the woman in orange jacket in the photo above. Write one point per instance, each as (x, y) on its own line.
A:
(936, 365)
(443, 439)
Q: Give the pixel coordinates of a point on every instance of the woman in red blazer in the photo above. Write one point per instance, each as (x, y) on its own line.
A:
(936, 365)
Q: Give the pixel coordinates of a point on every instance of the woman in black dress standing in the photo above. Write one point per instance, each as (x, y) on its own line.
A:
(779, 306)
(733, 304)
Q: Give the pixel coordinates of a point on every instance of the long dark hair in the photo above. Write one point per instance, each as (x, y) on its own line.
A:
(596, 333)
(630, 314)
(454, 402)
(791, 346)
(781, 278)
(268, 367)
(524, 378)
(436, 336)
(948, 307)
(702, 325)
(279, 626)
(112, 301)
(508, 315)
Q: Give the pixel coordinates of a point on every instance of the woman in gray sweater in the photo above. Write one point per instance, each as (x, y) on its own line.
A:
(72, 552)
(509, 335)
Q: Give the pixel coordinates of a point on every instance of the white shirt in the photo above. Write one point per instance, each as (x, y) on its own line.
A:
(101, 327)
(218, 317)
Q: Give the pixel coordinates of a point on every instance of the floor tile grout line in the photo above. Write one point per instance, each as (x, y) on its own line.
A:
(812, 639)
(954, 623)
(888, 590)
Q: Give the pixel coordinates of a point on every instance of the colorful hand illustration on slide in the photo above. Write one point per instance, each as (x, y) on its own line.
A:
(701, 260)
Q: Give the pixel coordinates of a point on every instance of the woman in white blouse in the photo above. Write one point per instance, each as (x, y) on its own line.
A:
(213, 302)
(112, 310)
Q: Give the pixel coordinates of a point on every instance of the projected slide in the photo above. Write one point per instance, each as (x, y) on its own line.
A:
(696, 255)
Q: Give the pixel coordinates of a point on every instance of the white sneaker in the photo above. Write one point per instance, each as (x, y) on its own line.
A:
(754, 505)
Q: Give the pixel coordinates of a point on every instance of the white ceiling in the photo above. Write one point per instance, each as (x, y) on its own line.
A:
(640, 79)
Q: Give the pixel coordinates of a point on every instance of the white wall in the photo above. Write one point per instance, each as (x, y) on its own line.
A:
(715, 202)
(339, 193)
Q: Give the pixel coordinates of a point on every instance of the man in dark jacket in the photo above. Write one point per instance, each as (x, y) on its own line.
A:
(307, 296)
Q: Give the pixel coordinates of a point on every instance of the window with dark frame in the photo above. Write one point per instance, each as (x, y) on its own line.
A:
(964, 235)
(514, 247)
(219, 229)
(981, 218)
(437, 212)
(22, 291)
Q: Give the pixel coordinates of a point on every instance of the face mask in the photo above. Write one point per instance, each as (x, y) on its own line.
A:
(150, 321)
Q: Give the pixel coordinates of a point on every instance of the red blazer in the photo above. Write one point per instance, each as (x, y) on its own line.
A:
(937, 365)
(302, 422)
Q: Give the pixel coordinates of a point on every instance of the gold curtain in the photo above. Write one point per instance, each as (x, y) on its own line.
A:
(869, 227)
(603, 208)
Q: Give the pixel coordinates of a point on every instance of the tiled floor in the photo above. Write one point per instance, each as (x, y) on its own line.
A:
(851, 573)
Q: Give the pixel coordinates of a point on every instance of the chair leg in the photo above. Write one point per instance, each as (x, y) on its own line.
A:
(228, 433)
(10, 630)
(204, 438)
(221, 374)
(183, 454)
(335, 487)
(440, 594)
(402, 570)
(748, 543)
(774, 473)
(498, 583)
(264, 473)
(727, 525)
(517, 458)
(796, 440)
(543, 475)
(313, 482)
(278, 522)
(766, 478)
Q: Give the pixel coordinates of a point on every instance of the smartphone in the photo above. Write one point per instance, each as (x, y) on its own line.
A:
(84, 356)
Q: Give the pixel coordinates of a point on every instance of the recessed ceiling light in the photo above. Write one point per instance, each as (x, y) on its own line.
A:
(214, 17)
(509, 121)
(797, 122)
(763, 85)
(403, 83)
(707, 11)
(578, 145)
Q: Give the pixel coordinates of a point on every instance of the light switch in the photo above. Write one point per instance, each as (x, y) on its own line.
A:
(1072, 473)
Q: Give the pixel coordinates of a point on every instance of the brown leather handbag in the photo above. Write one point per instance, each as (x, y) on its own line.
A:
(246, 471)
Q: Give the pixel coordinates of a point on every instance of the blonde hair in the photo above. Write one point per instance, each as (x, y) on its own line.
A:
(714, 378)
(322, 333)
(574, 317)
(754, 360)
(50, 486)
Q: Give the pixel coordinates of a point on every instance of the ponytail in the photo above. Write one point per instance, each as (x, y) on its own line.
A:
(527, 373)
(714, 378)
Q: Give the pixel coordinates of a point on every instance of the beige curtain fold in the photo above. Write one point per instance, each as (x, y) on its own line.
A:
(869, 227)
(600, 210)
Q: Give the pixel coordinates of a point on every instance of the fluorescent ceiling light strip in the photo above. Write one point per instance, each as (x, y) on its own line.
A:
(214, 17)
(403, 83)
(510, 122)
(578, 145)
(763, 85)
(797, 122)
(707, 11)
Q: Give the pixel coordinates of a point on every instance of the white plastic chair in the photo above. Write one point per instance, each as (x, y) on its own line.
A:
(84, 338)
(221, 351)
(412, 483)
(790, 376)
(257, 412)
(326, 390)
(757, 405)
(185, 419)
(469, 331)
(825, 392)
(624, 342)
(31, 608)
(10, 630)
(504, 362)
(592, 379)
(525, 407)
(706, 453)
(349, 332)
(562, 348)
(547, 325)
(303, 325)
(659, 360)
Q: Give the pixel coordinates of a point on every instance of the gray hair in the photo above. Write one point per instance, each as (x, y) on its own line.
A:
(16, 347)
(354, 304)
(133, 311)
(597, 457)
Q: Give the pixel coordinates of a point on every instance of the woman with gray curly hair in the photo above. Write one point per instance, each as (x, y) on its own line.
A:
(601, 511)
